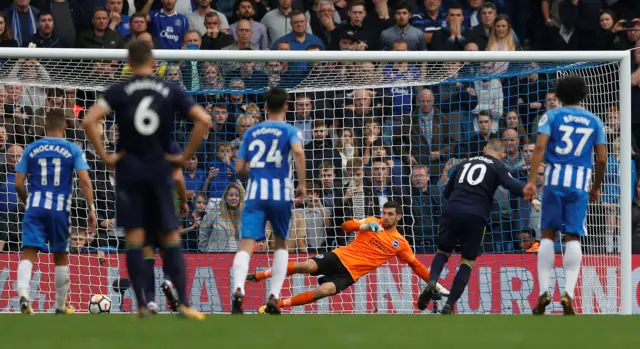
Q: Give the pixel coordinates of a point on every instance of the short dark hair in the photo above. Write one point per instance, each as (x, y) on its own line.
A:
(403, 5)
(138, 14)
(211, 14)
(99, 9)
(277, 99)
(55, 120)
(139, 53)
(314, 47)
(45, 13)
(455, 6)
(296, 13)
(572, 90)
(489, 4)
(393, 204)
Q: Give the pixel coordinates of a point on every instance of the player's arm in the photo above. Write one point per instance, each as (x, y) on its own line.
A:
(448, 189)
(181, 186)
(601, 161)
(21, 186)
(201, 121)
(301, 171)
(537, 157)
(95, 115)
(355, 225)
(406, 255)
(87, 188)
(513, 185)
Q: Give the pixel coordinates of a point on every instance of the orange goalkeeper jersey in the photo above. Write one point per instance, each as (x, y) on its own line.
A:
(370, 250)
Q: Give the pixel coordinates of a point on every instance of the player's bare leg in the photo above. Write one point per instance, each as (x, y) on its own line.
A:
(572, 261)
(279, 273)
(61, 261)
(240, 270)
(175, 269)
(307, 267)
(135, 241)
(546, 257)
(29, 255)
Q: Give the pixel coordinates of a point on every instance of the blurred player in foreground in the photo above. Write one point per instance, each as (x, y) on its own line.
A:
(49, 162)
(265, 155)
(469, 199)
(145, 109)
(378, 241)
(567, 137)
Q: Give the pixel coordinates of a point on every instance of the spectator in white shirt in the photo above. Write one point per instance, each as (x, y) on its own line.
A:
(197, 18)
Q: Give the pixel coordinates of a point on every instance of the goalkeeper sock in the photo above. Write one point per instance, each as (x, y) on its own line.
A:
(136, 272)
(261, 275)
(546, 256)
(572, 261)
(62, 286)
(150, 284)
(459, 283)
(240, 270)
(174, 261)
(24, 277)
(279, 271)
(299, 299)
(436, 266)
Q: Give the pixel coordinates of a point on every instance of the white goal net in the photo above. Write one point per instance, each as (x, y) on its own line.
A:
(376, 127)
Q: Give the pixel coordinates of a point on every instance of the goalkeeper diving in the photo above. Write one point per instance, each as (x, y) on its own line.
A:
(377, 241)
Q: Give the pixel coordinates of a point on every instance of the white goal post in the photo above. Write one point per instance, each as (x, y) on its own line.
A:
(393, 288)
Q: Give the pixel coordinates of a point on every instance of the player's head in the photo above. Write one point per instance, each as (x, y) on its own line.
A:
(391, 214)
(572, 90)
(140, 55)
(276, 99)
(495, 148)
(55, 122)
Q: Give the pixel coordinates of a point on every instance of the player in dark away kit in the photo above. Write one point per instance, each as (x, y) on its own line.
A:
(469, 199)
(145, 108)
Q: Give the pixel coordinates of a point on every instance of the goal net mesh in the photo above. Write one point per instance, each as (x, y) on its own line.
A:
(372, 132)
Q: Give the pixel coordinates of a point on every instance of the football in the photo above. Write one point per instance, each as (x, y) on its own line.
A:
(99, 304)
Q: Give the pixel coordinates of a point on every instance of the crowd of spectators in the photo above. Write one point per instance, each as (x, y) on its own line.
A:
(363, 146)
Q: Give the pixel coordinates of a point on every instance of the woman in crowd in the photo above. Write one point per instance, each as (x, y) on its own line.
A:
(221, 230)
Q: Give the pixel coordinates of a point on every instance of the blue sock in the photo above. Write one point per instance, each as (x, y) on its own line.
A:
(437, 264)
(150, 284)
(136, 272)
(459, 283)
(174, 267)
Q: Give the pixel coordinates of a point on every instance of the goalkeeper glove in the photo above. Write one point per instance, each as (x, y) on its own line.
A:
(373, 227)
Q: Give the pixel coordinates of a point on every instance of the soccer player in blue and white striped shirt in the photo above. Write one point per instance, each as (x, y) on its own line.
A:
(266, 155)
(49, 162)
(567, 137)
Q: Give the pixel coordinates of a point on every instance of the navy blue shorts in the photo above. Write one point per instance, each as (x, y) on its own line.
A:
(146, 206)
(256, 213)
(41, 226)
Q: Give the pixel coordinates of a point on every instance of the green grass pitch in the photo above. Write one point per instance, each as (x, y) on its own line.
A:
(321, 331)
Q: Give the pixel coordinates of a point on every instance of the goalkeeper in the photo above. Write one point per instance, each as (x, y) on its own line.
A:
(342, 267)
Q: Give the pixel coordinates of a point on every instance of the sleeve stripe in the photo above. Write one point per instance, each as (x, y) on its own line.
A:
(106, 105)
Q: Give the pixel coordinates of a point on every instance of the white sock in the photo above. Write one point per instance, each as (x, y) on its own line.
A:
(24, 277)
(240, 270)
(572, 261)
(62, 286)
(279, 271)
(546, 256)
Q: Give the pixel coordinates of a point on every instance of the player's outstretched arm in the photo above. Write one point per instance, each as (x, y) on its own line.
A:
(87, 190)
(536, 159)
(298, 156)
(355, 225)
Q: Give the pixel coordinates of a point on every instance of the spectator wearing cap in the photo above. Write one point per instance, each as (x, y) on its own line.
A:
(348, 41)
(365, 31)
(45, 37)
(24, 21)
(429, 19)
(299, 39)
(198, 18)
(245, 11)
(101, 36)
(117, 20)
(324, 20)
(215, 38)
(402, 30)
(279, 22)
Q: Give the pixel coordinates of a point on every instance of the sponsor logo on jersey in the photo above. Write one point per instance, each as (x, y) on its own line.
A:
(543, 120)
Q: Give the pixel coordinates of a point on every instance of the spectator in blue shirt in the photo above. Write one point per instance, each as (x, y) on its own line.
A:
(117, 20)
(430, 19)
(299, 39)
(169, 25)
(24, 21)
(194, 178)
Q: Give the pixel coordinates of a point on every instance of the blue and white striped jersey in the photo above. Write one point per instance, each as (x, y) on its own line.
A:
(573, 133)
(49, 164)
(267, 148)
